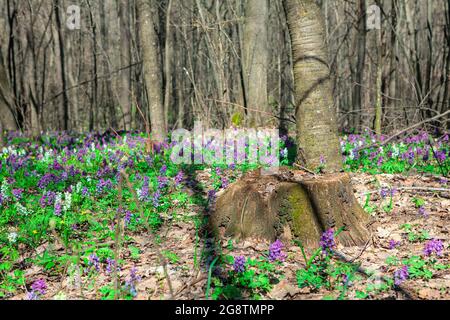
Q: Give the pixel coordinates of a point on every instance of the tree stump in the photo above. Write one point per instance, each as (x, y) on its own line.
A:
(290, 205)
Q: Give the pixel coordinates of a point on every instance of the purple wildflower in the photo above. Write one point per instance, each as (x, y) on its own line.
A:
(17, 193)
(440, 156)
(179, 178)
(162, 182)
(156, 198)
(85, 192)
(211, 195)
(127, 217)
(225, 182)
(393, 244)
(58, 209)
(110, 265)
(39, 286)
(275, 252)
(433, 246)
(239, 264)
(103, 185)
(384, 192)
(327, 240)
(94, 261)
(422, 211)
(163, 170)
(401, 275)
(130, 283)
(144, 193)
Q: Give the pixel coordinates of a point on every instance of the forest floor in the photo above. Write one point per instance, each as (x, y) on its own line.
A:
(60, 240)
(403, 224)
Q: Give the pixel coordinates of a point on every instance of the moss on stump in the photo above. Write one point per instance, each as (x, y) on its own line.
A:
(290, 205)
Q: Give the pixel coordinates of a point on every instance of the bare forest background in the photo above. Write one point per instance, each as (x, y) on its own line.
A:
(138, 63)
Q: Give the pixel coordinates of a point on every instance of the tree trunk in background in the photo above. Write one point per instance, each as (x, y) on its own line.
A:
(168, 62)
(2, 143)
(147, 10)
(446, 99)
(255, 60)
(125, 60)
(358, 100)
(318, 140)
(378, 86)
(6, 100)
(65, 98)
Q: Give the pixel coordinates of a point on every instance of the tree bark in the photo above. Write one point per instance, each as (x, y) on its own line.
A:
(7, 104)
(317, 130)
(359, 76)
(65, 97)
(290, 205)
(125, 75)
(147, 11)
(255, 60)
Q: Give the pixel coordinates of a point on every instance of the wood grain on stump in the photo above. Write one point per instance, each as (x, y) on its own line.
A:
(289, 205)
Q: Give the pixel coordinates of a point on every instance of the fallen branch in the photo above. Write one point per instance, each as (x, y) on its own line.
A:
(376, 145)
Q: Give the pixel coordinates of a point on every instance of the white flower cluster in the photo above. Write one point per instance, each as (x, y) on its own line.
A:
(67, 201)
(396, 151)
(4, 189)
(12, 237)
(65, 204)
(12, 151)
(78, 188)
(21, 209)
(48, 156)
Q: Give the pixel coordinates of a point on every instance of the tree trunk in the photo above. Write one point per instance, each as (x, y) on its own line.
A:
(168, 62)
(147, 11)
(125, 60)
(65, 97)
(359, 76)
(318, 143)
(378, 86)
(6, 100)
(255, 60)
(289, 204)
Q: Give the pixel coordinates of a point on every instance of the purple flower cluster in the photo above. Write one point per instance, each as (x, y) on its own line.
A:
(327, 242)
(46, 180)
(433, 246)
(179, 178)
(393, 244)
(17, 193)
(422, 211)
(110, 265)
(132, 281)
(127, 218)
(276, 253)
(58, 208)
(162, 182)
(103, 185)
(400, 275)
(38, 289)
(156, 198)
(94, 261)
(239, 264)
(144, 193)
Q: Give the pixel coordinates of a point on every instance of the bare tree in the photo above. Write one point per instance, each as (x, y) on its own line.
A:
(6, 100)
(255, 56)
(147, 12)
